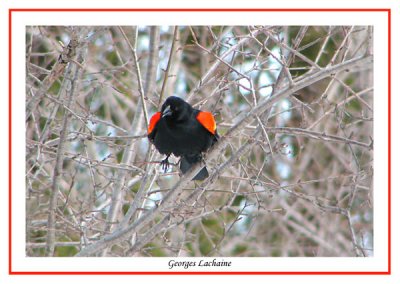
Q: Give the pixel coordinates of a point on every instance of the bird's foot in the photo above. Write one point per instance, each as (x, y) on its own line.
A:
(165, 164)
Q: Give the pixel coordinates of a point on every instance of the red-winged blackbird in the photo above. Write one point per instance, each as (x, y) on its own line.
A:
(184, 131)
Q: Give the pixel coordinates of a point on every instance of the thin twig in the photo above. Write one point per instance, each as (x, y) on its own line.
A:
(166, 72)
(215, 151)
(58, 69)
(51, 236)
(214, 67)
(153, 61)
(137, 70)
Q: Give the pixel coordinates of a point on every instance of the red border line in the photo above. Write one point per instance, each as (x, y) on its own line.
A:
(200, 273)
(198, 10)
(9, 139)
(11, 272)
(389, 141)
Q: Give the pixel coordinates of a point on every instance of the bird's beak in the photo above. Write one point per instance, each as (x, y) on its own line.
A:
(167, 111)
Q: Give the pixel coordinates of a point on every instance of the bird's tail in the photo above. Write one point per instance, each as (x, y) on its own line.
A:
(188, 161)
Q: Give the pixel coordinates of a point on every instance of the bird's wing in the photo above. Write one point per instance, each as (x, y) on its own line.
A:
(207, 120)
(153, 121)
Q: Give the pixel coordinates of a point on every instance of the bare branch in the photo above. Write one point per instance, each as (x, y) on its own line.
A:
(306, 80)
(166, 72)
(74, 72)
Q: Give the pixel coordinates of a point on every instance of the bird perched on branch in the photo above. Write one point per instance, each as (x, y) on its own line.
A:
(184, 131)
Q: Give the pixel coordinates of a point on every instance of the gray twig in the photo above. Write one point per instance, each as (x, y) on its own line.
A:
(266, 104)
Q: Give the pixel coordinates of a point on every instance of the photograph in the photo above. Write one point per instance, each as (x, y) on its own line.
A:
(207, 142)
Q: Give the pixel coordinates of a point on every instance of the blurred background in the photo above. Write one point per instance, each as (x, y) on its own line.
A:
(304, 186)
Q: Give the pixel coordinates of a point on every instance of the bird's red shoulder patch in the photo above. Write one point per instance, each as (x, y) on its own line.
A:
(153, 121)
(207, 120)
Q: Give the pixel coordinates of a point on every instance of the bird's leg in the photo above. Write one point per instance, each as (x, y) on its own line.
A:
(165, 163)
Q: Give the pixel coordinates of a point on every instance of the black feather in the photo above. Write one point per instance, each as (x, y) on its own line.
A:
(179, 132)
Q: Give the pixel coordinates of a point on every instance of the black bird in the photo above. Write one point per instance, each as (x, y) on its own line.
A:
(184, 131)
